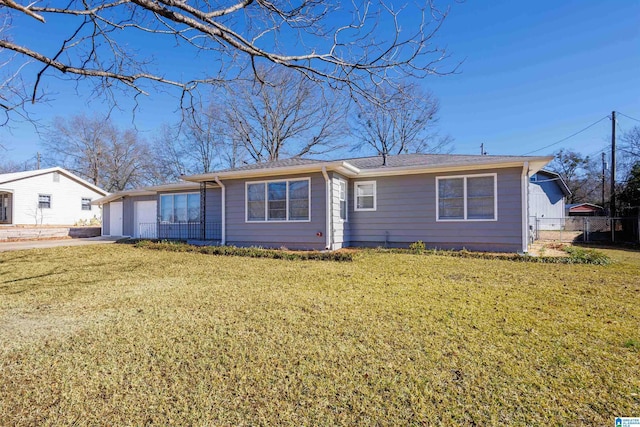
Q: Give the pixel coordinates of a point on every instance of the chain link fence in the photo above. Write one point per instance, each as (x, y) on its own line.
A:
(585, 229)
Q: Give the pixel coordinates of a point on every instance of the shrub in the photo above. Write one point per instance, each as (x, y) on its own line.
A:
(417, 247)
(252, 252)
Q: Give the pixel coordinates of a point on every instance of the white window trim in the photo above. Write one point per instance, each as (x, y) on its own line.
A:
(464, 185)
(266, 201)
(355, 196)
(82, 199)
(159, 201)
(50, 200)
(346, 200)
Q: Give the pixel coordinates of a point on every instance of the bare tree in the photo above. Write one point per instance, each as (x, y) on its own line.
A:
(168, 156)
(284, 115)
(201, 143)
(9, 166)
(630, 149)
(14, 92)
(403, 122)
(206, 139)
(582, 175)
(343, 45)
(98, 151)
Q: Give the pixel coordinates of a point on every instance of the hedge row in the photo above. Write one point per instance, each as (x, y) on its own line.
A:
(252, 252)
(575, 255)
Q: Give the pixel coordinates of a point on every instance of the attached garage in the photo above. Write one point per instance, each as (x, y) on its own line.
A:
(135, 213)
(145, 219)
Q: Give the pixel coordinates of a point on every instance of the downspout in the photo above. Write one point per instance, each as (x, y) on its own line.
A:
(329, 232)
(525, 207)
(223, 240)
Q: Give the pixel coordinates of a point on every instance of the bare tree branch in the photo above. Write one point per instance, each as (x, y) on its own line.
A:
(404, 121)
(344, 46)
(286, 116)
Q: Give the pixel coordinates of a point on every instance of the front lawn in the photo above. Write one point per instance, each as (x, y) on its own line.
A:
(118, 335)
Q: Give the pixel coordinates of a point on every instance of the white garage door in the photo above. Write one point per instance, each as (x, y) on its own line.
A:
(115, 219)
(145, 219)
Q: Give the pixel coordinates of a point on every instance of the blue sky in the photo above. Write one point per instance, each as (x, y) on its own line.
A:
(532, 74)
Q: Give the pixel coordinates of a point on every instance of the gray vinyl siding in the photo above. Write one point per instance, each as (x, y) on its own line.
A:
(293, 235)
(106, 210)
(340, 227)
(406, 212)
(214, 205)
(128, 204)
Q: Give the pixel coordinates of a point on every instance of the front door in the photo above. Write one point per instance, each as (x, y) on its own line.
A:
(115, 219)
(5, 208)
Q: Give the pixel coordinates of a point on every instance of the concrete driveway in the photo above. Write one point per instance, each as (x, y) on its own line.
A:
(42, 244)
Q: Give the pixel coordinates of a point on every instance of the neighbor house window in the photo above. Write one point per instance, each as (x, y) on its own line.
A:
(286, 200)
(44, 201)
(86, 204)
(365, 196)
(466, 198)
(342, 196)
(182, 207)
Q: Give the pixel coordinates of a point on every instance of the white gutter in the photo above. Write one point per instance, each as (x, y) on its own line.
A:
(329, 232)
(525, 207)
(223, 240)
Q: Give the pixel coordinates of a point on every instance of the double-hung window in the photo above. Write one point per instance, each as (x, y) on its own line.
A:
(182, 207)
(44, 201)
(466, 198)
(365, 196)
(342, 197)
(283, 200)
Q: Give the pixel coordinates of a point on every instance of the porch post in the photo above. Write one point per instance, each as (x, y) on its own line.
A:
(203, 210)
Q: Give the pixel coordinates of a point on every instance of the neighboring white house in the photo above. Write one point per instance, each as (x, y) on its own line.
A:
(547, 199)
(51, 196)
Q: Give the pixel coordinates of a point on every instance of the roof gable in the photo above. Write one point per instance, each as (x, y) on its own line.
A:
(553, 176)
(17, 176)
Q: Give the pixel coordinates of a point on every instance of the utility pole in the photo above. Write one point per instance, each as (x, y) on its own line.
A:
(612, 198)
(604, 168)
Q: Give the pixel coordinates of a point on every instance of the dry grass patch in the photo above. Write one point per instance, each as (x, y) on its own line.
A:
(389, 339)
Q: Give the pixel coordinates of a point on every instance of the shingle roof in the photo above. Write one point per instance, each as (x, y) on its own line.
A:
(15, 176)
(403, 160)
(6, 177)
(399, 160)
(294, 161)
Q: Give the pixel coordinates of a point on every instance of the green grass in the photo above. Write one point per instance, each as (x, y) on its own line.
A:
(118, 335)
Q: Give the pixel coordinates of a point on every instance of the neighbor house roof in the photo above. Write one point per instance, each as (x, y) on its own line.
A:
(374, 166)
(147, 191)
(17, 176)
(584, 207)
(555, 177)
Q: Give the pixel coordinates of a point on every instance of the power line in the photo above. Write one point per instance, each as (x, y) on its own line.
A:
(599, 151)
(568, 137)
(628, 117)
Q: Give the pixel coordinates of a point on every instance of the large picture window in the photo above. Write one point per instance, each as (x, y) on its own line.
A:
(365, 196)
(466, 198)
(182, 207)
(286, 200)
